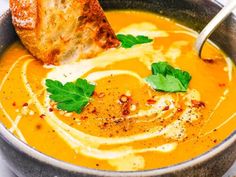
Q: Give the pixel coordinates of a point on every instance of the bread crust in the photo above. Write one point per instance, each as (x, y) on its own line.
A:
(57, 31)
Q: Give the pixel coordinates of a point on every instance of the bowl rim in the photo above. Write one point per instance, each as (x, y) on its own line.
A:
(22, 147)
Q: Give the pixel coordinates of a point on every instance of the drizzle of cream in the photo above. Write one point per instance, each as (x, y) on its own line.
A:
(93, 140)
(72, 71)
(218, 104)
(84, 140)
(157, 109)
(18, 132)
(175, 50)
(103, 74)
(145, 29)
(81, 142)
(11, 69)
(233, 116)
(16, 122)
(130, 162)
(133, 162)
(87, 144)
(84, 143)
(23, 112)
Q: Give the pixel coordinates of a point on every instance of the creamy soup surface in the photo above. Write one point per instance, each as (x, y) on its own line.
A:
(157, 129)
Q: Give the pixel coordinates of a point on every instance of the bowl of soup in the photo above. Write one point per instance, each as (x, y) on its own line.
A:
(151, 107)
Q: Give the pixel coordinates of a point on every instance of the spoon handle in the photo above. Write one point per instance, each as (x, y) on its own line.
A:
(213, 24)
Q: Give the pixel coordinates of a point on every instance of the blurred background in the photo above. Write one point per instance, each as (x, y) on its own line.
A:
(3, 6)
(4, 172)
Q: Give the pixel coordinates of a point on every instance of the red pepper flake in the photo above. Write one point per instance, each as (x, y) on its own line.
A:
(14, 103)
(126, 112)
(151, 101)
(198, 104)
(126, 102)
(124, 99)
(126, 109)
(25, 104)
(84, 117)
(179, 109)
(166, 108)
(208, 60)
(221, 84)
(42, 116)
(101, 95)
(215, 141)
(94, 111)
(95, 94)
(50, 109)
(105, 124)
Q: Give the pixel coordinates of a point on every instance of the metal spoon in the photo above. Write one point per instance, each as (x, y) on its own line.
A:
(212, 25)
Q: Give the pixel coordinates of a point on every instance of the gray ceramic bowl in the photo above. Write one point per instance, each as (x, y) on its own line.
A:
(27, 162)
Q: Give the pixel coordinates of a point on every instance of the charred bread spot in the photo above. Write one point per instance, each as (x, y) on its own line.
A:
(52, 56)
(93, 14)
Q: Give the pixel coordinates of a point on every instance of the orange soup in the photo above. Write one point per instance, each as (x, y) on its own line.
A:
(127, 124)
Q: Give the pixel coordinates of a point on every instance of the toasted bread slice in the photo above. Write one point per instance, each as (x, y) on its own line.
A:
(56, 31)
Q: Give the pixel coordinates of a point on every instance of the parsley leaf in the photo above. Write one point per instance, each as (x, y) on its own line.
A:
(128, 41)
(71, 97)
(166, 78)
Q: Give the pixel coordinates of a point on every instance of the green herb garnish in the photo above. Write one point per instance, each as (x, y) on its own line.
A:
(128, 41)
(168, 79)
(72, 96)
